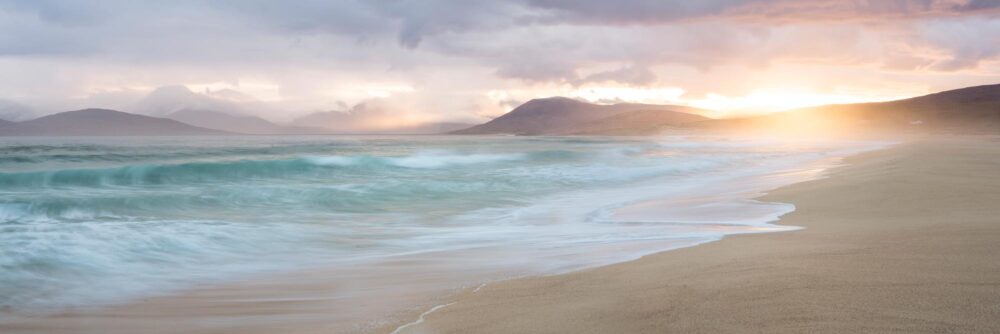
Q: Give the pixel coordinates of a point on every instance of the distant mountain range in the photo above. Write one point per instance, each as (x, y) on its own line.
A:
(238, 124)
(187, 122)
(565, 116)
(432, 128)
(102, 122)
(372, 120)
(966, 110)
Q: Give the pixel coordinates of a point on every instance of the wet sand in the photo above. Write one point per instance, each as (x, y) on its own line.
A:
(905, 239)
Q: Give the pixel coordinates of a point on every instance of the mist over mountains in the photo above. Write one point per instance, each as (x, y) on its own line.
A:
(104, 122)
(375, 118)
(13, 111)
(966, 110)
(167, 100)
(231, 111)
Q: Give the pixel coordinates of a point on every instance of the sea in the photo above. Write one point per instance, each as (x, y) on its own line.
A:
(88, 221)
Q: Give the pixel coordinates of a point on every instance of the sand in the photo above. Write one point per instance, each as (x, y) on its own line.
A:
(903, 240)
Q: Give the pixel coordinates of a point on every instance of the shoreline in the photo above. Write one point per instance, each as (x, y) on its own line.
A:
(925, 262)
(218, 299)
(818, 169)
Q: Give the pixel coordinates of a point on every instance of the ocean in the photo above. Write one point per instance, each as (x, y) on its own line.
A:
(97, 221)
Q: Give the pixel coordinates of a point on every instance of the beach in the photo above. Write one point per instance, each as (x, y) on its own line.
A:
(899, 240)
(353, 234)
(438, 167)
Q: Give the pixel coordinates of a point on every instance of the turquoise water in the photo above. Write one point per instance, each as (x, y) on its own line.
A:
(102, 220)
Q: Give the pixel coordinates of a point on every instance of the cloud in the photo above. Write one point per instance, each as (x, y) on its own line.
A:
(977, 5)
(629, 75)
(13, 111)
(446, 56)
(538, 70)
(658, 12)
(965, 43)
(632, 12)
(168, 99)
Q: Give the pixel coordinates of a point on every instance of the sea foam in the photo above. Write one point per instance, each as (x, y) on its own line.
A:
(101, 220)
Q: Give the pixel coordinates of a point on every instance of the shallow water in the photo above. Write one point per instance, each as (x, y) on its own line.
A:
(87, 221)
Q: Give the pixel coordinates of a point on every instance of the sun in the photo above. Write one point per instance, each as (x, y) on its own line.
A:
(718, 105)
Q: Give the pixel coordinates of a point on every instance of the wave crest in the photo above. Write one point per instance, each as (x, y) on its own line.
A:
(197, 172)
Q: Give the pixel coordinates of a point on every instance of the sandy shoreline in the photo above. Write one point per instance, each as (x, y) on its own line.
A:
(900, 240)
(857, 267)
(364, 294)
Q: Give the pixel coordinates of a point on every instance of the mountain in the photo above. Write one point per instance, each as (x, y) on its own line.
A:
(560, 115)
(639, 122)
(238, 124)
(966, 110)
(102, 122)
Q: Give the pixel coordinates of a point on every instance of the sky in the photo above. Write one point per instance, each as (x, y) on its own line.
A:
(473, 60)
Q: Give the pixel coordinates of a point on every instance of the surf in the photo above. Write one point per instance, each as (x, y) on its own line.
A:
(180, 212)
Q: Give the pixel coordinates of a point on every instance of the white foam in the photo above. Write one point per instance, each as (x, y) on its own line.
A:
(557, 213)
(431, 159)
(333, 160)
(421, 319)
(436, 160)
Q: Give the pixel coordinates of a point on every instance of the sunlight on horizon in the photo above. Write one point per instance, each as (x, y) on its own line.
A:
(760, 101)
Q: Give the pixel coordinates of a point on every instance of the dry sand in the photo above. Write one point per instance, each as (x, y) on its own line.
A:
(901, 240)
